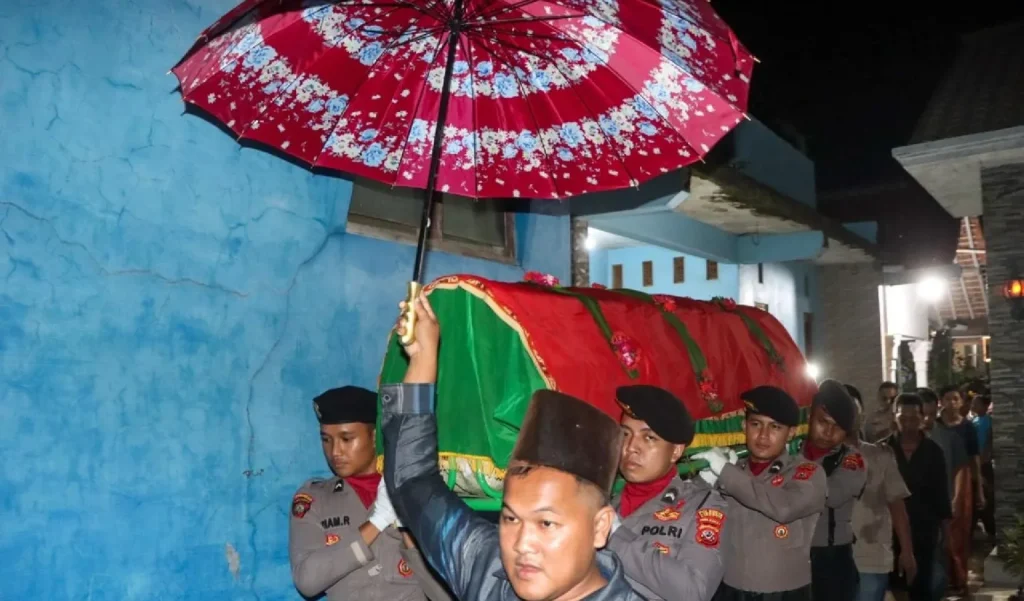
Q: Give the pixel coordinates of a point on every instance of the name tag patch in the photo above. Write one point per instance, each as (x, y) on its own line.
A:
(673, 531)
(334, 522)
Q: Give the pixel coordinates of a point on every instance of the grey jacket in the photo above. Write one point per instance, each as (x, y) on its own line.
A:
(461, 545)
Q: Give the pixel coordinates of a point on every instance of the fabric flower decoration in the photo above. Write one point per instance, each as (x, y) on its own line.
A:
(726, 303)
(627, 350)
(542, 279)
(709, 393)
(665, 301)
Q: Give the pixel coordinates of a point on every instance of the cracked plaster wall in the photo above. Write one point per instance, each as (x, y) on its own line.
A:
(169, 303)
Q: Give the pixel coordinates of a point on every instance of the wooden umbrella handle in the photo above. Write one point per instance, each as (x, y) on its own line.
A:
(410, 314)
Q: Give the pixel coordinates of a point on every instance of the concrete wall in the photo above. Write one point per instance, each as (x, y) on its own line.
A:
(169, 305)
(783, 290)
(696, 284)
(849, 346)
(1003, 204)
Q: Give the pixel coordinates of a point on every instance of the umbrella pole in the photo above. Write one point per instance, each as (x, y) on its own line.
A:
(454, 31)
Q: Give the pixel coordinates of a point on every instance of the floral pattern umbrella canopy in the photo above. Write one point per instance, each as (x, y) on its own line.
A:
(545, 99)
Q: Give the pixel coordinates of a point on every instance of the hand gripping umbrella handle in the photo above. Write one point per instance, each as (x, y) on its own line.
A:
(410, 314)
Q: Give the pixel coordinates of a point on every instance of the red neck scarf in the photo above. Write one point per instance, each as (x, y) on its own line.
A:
(814, 453)
(635, 495)
(365, 486)
(756, 467)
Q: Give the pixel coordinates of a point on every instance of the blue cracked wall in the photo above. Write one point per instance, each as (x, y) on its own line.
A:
(169, 303)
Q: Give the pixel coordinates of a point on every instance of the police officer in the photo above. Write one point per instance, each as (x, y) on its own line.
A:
(669, 537)
(342, 537)
(774, 502)
(833, 418)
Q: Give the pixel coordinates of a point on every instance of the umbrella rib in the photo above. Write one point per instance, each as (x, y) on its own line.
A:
(476, 124)
(536, 123)
(353, 93)
(636, 92)
(419, 102)
(597, 116)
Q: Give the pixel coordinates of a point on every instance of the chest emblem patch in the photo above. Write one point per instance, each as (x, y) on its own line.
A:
(331, 539)
(805, 471)
(853, 462)
(778, 480)
(781, 532)
(403, 569)
(669, 514)
(709, 527)
(301, 504)
(660, 548)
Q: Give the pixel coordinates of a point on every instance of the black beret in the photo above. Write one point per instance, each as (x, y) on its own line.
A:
(772, 402)
(346, 405)
(664, 413)
(569, 435)
(838, 403)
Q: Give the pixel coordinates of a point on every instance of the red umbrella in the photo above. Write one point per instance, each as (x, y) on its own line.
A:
(478, 98)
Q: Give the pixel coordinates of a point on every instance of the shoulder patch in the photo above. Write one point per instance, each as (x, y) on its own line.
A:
(804, 471)
(709, 527)
(301, 504)
(853, 461)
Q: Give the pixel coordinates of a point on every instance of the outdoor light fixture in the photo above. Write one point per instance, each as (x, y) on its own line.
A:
(1013, 291)
(931, 288)
(812, 371)
(589, 243)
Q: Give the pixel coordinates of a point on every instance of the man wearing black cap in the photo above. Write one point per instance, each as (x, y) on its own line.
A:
(342, 537)
(555, 507)
(671, 530)
(833, 419)
(774, 502)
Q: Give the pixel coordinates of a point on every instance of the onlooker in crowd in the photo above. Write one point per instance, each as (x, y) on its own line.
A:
(958, 475)
(950, 405)
(878, 512)
(878, 419)
(923, 469)
(982, 420)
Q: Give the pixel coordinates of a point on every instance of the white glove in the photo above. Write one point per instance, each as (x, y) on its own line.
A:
(733, 457)
(616, 522)
(382, 514)
(716, 458)
(706, 475)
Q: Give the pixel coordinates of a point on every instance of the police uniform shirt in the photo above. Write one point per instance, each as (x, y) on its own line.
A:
(846, 473)
(328, 553)
(670, 547)
(772, 516)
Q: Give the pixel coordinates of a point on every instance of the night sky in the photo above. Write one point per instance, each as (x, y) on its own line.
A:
(852, 78)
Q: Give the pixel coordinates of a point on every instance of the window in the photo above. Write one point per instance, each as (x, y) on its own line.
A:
(678, 270)
(648, 267)
(712, 270)
(616, 276)
(458, 225)
(760, 273)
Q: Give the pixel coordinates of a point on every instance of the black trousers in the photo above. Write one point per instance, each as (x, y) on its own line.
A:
(927, 543)
(727, 593)
(834, 575)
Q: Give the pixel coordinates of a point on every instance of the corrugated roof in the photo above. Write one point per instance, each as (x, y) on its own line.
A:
(982, 90)
(967, 297)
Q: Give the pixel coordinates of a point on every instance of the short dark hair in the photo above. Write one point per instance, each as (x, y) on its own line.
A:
(985, 399)
(927, 395)
(909, 399)
(522, 469)
(948, 389)
(855, 394)
(887, 384)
